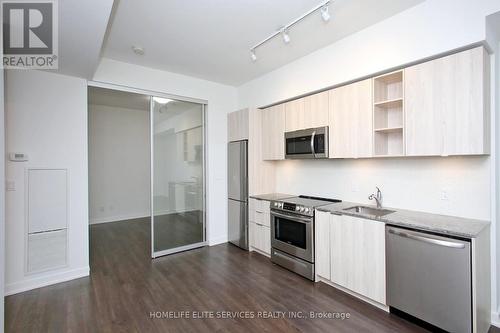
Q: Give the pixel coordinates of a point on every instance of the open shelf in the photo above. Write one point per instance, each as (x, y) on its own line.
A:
(389, 104)
(388, 129)
(389, 143)
(388, 115)
(388, 87)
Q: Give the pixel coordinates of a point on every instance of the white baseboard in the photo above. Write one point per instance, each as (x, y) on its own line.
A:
(217, 240)
(46, 280)
(118, 218)
(495, 319)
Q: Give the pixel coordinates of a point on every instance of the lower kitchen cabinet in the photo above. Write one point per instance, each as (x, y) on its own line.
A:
(259, 226)
(350, 252)
(322, 244)
(260, 238)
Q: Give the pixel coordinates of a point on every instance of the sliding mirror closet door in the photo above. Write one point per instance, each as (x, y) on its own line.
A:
(177, 178)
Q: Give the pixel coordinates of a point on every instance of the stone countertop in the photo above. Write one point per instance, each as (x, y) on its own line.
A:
(442, 224)
(272, 196)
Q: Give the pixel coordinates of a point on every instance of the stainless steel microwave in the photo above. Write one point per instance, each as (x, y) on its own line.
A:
(307, 143)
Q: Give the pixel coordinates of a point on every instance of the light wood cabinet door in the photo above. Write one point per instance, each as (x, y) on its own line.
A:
(351, 121)
(237, 125)
(265, 235)
(308, 112)
(273, 133)
(252, 235)
(446, 105)
(358, 256)
(259, 225)
(322, 244)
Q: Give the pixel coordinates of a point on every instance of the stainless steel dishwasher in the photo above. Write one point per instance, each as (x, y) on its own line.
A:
(429, 277)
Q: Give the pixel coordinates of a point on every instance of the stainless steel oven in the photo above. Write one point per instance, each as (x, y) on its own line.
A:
(292, 242)
(307, 143)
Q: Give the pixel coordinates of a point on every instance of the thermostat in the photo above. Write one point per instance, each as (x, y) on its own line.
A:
(18, 157)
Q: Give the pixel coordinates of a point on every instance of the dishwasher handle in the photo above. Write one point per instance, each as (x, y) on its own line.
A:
(427, 239)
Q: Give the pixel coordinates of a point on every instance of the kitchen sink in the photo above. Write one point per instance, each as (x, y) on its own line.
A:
(364, 210)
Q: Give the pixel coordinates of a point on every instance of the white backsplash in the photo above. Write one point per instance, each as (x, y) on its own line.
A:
(458, 186)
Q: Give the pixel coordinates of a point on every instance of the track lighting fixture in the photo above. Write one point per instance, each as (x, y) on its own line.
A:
(286, 37)
(253, 56)
(325, 16)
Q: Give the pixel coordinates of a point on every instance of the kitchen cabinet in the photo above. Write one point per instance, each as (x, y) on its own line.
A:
(388, 114)
(247, 125)
(273, 132)
(357, 255)
(237, 125)
(307, 112)
(322, 244)
(350, 120)
(259, 226)
(447, 105)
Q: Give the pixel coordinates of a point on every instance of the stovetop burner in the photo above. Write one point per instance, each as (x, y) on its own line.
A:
(302, 204)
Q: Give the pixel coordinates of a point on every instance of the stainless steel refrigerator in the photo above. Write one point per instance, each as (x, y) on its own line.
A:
(238, 193)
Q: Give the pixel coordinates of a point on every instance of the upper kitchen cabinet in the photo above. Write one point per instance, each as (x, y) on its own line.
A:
(247, 124)
(273, 133)
(237, 125)
(350, 120)
(388, 114)
(307, 112)
(446, 105)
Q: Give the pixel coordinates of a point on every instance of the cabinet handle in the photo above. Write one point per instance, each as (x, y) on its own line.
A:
(429, 240)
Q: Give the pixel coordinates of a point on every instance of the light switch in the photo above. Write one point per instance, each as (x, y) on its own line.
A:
(10, 185)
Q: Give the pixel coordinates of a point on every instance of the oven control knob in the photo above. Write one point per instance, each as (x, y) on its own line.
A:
(297, 208)
(275, 204)
(302, 209)
(307, 210)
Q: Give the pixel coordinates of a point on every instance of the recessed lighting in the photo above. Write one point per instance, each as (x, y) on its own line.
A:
(161, 100)
(138, 50)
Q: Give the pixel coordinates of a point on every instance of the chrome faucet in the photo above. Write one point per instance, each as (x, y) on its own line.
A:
(377, 197)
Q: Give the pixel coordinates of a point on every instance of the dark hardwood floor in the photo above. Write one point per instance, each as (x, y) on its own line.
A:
(126, 287)
(178, 229)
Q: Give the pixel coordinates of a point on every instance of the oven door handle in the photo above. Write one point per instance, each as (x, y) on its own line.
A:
(293, 217)
(312, 143)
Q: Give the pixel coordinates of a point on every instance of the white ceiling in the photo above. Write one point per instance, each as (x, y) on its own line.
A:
(211, 39)
(82, 26)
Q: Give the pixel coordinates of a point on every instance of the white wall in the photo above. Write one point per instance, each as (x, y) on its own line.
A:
(426, 30)
(119, 163)
(46, 117)
(221, 100)
(407, 183)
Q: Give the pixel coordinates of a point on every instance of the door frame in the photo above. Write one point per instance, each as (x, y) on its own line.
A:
(204, 105)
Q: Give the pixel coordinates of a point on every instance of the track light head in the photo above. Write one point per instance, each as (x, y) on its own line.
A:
(325, 15)
(286, 36)
(253, 56)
